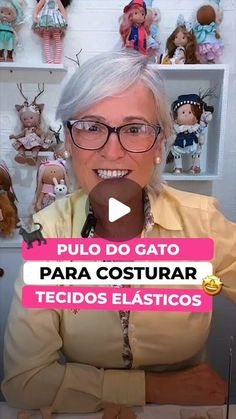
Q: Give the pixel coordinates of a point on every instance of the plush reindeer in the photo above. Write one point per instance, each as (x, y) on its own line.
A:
(32, 138)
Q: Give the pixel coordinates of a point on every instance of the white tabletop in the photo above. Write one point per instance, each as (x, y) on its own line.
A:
(147, 412)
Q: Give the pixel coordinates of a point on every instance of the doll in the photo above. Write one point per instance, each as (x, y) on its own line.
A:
(210, 45)
(8, 217)
(49, 172)
(181, 45)
(8, 209)
(11, 15)
(6, 184)
(32, 139)
(152, 19)
(50, 23)
(133, 29)
(191, 115)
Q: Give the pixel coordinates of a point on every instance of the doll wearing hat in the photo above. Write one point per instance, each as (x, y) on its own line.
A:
(133, 28)
(47, 172)
(191, 121)
(11, 14)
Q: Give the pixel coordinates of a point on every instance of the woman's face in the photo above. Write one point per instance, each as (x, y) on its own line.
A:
(136, 104)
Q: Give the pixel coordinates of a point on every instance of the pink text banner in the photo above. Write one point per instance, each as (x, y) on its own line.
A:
(95, 249)
(111, 298)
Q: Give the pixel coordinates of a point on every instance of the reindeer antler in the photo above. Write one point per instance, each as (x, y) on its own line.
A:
(77, 58)
(41, 90)
(19, 87)
(57, 134)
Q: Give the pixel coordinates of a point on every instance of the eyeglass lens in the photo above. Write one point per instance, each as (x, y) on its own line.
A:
(133, 137)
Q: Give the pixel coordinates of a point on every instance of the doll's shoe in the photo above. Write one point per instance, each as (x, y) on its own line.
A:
(177, 170)
(20, 158)
(195, 170)
(9, 56)
(31, 161)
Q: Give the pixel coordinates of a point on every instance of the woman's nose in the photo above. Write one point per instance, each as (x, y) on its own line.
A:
(113, 150)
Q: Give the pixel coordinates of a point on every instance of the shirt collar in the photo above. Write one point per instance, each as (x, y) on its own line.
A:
(164, 209)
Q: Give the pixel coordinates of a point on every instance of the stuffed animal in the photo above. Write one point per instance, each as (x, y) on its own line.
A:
(50, 22)
(191, 115)
(32, 138)
(181, 44)
(210, 45)
(48, 173)
(60, 189)
(11, 15)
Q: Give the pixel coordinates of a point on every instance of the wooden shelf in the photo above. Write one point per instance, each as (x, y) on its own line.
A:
(19, 73)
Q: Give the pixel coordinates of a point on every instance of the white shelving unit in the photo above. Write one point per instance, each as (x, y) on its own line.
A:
(19, 73)
(186, 79)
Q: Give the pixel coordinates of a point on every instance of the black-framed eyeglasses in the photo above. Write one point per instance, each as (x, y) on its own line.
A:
(134, 137)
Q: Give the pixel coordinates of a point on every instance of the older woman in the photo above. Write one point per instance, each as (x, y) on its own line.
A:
(118, 121)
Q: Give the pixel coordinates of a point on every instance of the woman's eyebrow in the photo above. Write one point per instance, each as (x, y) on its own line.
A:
(129, 118)
(132, 117)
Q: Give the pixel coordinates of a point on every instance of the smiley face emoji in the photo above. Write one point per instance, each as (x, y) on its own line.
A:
(212, 285)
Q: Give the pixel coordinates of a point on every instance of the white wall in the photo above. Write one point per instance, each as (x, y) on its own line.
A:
(93, 26)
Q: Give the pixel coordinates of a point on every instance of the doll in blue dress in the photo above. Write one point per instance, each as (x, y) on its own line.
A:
(209, 43)
(11, 15)
(50, 22)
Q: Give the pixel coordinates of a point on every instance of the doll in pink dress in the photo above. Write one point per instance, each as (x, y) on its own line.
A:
(50, 22)
(49, 173)
(32, 137)
(209, 43)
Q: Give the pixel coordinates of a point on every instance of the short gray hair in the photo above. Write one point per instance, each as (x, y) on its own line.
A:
(109, 74)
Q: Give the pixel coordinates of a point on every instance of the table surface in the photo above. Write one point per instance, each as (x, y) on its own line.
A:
(147, 412)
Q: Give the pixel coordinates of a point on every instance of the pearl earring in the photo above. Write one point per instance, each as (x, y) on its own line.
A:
(157, 160)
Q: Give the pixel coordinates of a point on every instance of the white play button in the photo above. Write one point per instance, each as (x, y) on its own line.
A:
(116, 210)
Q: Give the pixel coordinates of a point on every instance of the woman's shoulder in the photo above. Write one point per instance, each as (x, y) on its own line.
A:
(187, 199)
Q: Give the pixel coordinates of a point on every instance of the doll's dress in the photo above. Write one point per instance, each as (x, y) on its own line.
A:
(47, 198)
(209, 47)
(50, 17)
(29, 141)
(7, 36)
(178, 54)
(186, 141)
(138, 38)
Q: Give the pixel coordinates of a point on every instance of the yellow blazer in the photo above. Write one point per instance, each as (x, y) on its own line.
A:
(92, 341)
